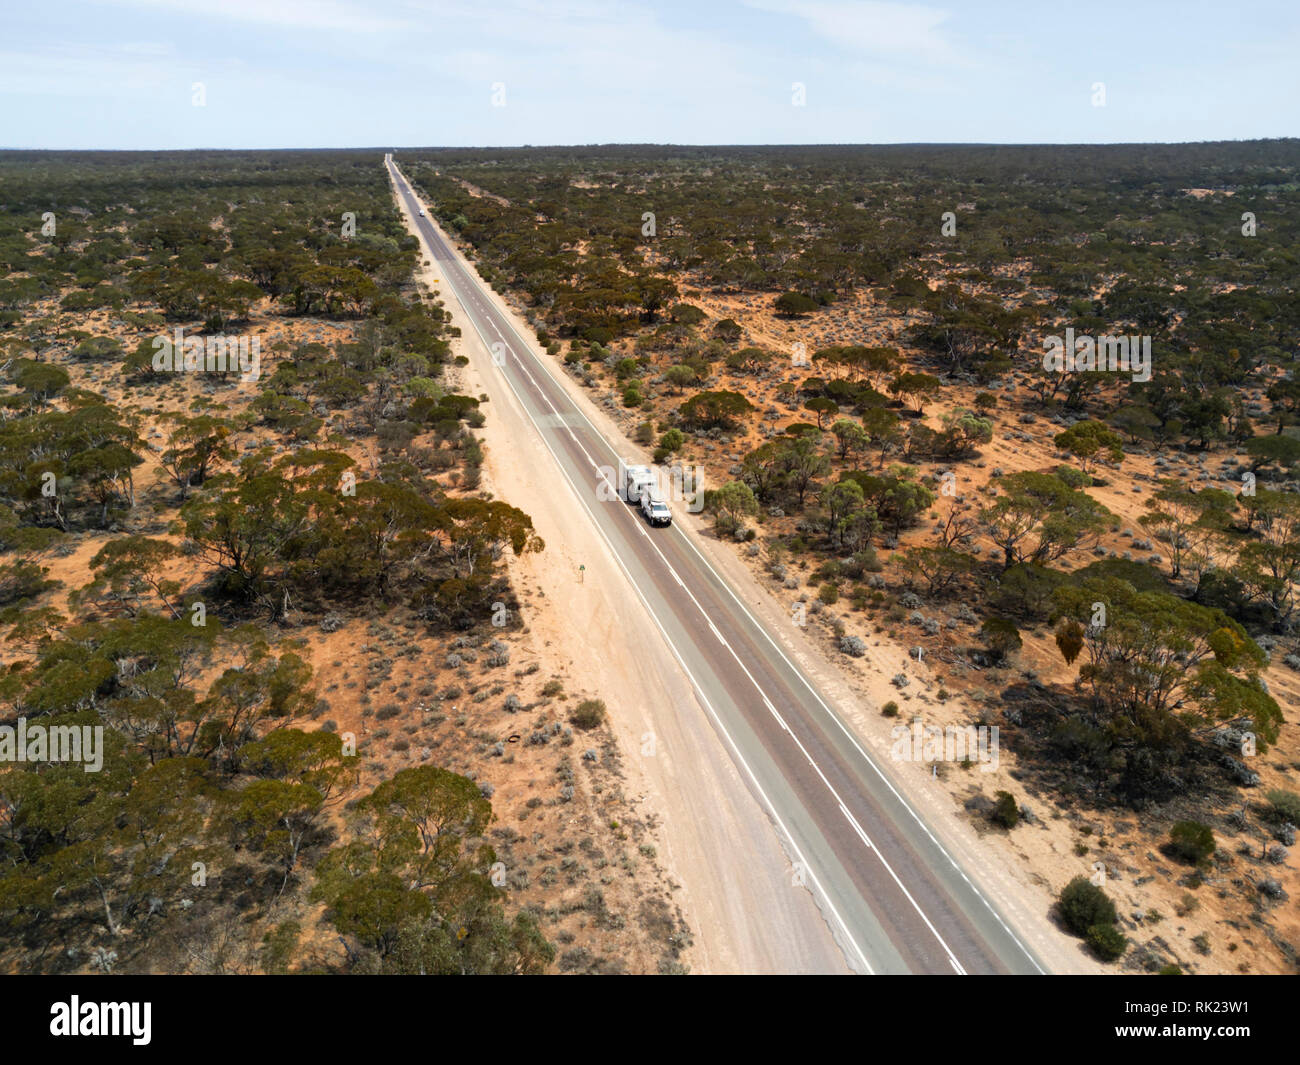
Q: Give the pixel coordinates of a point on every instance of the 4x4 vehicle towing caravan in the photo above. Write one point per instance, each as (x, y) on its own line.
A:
(655, 509)
(636, 484)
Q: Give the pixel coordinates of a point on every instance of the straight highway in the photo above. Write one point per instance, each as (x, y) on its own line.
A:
(895, 900)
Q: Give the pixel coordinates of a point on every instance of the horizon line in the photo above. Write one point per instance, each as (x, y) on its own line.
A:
(669, 144)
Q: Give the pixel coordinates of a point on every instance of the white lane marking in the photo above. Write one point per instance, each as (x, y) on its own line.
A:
(866, 757)
(699, 689)
(952, 958)
(767, 702)
(856, 826)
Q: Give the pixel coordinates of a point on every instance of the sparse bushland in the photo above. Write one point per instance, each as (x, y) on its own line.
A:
(218, 517)
(1108, 562)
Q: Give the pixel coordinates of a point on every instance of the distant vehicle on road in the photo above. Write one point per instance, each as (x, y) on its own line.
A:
(422, 212)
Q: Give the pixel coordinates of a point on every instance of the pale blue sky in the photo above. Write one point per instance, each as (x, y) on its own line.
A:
(339, 73)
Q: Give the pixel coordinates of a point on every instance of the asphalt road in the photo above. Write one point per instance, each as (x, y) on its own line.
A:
(894, 899)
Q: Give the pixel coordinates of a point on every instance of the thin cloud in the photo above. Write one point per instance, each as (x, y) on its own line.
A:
(90, 72)
(292, 14)
(875, 29)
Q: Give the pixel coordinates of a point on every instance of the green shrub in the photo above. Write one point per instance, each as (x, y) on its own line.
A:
(728, 329)
(863, 561)
(890, 709)
(588, 714)
(98, 348)
(1082, 904)
(1143, 576)
(1001, 637)
(1006, 812)
(789, 304)
(1106, 941)
(829, 593)
(21, 580)
(1191, 842)
(1285, 805)
(725, 524)
(1074, 478)
(672, 440)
